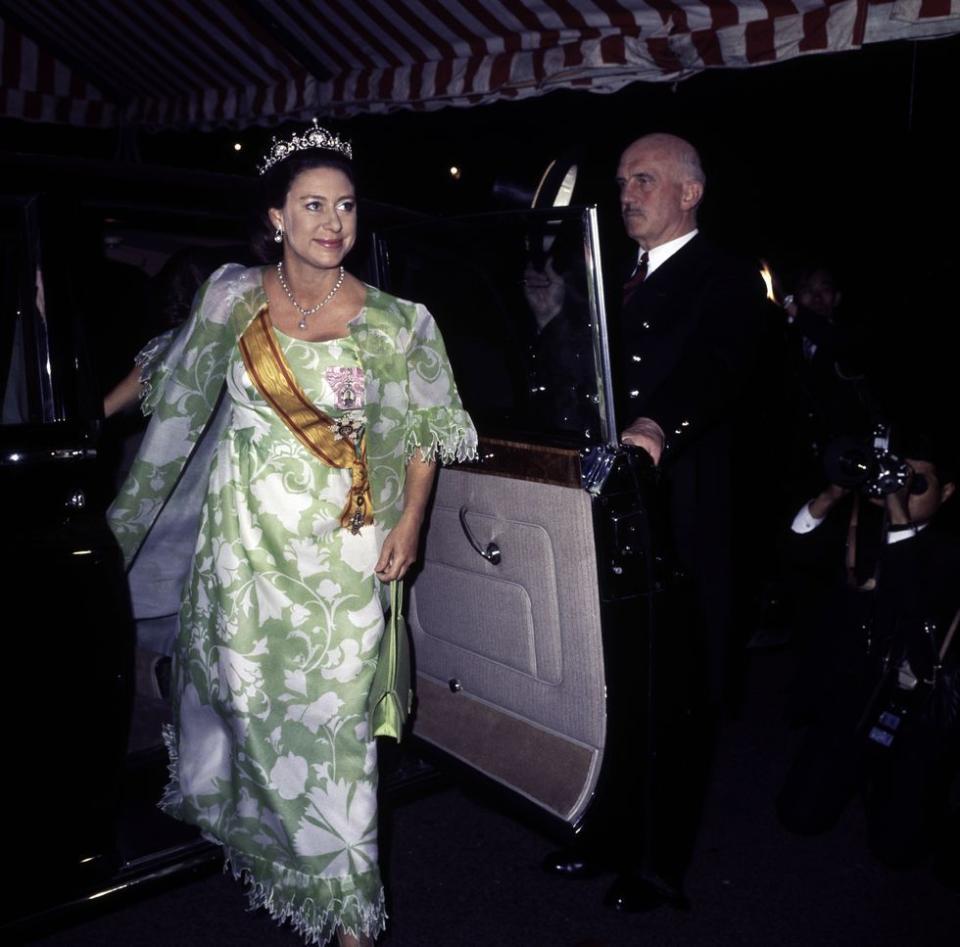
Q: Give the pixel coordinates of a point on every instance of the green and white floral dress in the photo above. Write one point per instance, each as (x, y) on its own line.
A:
(278, 642)
(282, 616)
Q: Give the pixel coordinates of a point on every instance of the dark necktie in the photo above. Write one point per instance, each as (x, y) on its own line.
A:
(639, 275)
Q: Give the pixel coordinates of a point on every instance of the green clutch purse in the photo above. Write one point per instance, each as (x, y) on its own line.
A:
(391, 697)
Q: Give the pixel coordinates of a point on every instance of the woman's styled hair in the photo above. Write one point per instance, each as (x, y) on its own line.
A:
(275, 185)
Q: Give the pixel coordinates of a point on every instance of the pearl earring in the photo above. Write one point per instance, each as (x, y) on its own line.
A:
(278, 236)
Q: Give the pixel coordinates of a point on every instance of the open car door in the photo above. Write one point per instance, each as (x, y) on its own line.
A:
(537, 567)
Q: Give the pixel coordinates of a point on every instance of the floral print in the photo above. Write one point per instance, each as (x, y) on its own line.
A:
(279, 634)
(282, 613)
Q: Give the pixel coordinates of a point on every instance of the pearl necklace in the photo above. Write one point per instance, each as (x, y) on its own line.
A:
(302, 324)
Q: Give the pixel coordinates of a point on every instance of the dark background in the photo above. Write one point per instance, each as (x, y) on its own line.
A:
(846, 157)
(823, 149)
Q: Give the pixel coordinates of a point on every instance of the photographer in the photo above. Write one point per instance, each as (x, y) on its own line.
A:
(884, 578)
(823, 369)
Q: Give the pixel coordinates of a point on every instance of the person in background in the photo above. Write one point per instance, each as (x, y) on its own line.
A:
(878, 659)
(827, 392)
(169, 297)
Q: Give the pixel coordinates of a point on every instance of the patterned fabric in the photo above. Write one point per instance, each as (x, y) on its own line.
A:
(411, 400)
(282, 616)
(315, 429)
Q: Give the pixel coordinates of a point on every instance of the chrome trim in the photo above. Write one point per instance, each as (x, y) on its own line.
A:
(77, 501)
(601, 347)
(492, 551)
(146, 873)
(29, 456)
(595, 466)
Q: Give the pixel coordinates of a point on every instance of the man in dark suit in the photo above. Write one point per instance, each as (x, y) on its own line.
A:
(689, 336)
(690, 329)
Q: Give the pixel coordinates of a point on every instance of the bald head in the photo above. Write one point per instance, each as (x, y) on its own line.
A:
(661, 183)
(676, 150)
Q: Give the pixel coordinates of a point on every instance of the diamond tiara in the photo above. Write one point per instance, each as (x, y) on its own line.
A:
(315, 137)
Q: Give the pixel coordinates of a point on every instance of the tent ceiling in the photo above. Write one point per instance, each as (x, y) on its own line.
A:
(216, 63)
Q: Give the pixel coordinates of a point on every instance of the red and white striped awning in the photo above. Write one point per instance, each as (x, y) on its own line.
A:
(215, 63)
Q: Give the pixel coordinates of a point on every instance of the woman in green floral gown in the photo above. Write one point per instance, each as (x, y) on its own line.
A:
(282, 612)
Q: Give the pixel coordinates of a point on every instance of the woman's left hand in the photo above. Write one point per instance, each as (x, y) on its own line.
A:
(400, 548)
(399, 551)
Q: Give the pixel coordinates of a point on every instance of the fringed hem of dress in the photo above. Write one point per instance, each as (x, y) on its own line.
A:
(316, 924)
(269, 885)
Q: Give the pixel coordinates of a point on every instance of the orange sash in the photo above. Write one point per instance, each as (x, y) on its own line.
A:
(271, 375)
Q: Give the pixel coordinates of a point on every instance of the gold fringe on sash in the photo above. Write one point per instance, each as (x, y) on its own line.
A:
(271, 375)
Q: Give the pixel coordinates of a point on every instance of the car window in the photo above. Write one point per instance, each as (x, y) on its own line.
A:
(138, 279)
(24, 354)
(516, 297)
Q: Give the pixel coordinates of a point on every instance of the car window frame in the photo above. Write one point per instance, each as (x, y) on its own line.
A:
(27, 339)
(587, 216)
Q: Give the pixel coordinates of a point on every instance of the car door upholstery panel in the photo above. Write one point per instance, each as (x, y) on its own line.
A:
(509, 658)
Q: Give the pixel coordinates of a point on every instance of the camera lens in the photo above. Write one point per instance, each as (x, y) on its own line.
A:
(849, 462)
(892, 474)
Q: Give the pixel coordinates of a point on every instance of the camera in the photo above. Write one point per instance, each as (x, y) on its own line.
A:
(866, 464)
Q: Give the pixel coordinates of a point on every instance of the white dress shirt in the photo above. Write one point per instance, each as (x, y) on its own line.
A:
(659, 255)
(806, 522)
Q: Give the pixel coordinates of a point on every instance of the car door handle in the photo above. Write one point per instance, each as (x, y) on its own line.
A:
(76, 500)
(492, 551)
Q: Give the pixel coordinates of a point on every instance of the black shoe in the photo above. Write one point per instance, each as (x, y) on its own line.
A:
(569, 863)
(635, 895)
